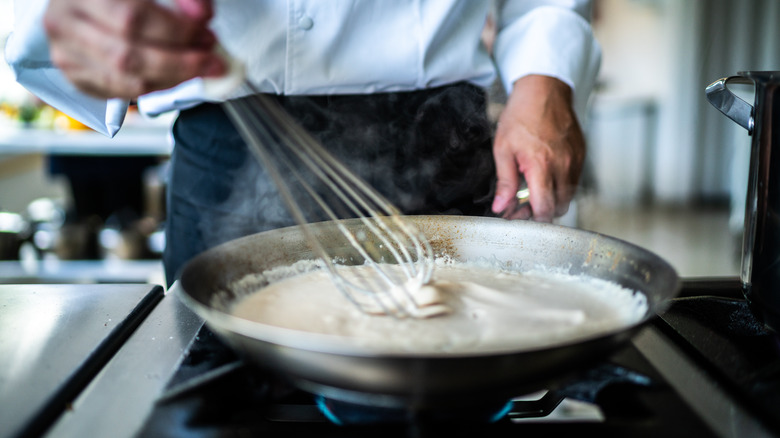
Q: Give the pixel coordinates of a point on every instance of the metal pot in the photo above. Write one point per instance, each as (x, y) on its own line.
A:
(760, 272)
(13, 231)
(338, 369)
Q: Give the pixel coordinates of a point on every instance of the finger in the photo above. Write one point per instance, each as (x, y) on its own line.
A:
(148, 22)
(100, 80)
(520, 207)
(561, 187)
(563, 198)
(506, 180)
(566, 182)
(541, 194)
(523, 212)
(105, 65)
(165, 67)
(96, 79)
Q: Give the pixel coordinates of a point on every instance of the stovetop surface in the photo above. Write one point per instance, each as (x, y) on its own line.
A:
(721, 333)
(215, 394)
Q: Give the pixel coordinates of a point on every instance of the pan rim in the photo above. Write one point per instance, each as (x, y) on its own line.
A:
(323, 343)
(341, 345)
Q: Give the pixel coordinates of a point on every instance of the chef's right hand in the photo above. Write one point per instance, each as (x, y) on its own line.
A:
(126, 48)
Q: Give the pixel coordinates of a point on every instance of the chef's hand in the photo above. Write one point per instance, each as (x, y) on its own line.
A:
(538, 137)
(125, 48)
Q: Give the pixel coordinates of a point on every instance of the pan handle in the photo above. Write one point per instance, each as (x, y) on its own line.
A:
(729, 104)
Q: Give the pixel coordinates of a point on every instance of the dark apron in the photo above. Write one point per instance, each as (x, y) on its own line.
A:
(428, 152)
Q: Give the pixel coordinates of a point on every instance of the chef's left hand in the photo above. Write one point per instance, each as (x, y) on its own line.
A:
(538, 137)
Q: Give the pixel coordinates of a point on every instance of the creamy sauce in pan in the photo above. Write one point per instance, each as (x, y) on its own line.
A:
(488, 309)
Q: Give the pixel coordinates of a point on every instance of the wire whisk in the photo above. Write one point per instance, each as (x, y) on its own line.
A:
(317, 187)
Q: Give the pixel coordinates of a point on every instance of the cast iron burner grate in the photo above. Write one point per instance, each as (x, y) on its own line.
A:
(215, 394)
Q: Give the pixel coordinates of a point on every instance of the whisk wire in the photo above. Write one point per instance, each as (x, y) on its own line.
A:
(338, 174)
(280, 145)
(328, 168)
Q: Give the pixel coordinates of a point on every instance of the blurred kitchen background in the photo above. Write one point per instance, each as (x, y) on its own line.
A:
(665, 170)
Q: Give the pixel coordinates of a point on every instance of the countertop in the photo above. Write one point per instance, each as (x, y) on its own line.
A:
(54, 339)
(129, 141)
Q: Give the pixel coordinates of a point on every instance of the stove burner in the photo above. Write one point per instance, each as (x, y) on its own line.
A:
(588, 386)
(345, 413)
(215, 394)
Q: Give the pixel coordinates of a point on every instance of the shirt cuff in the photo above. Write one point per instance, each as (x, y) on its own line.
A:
(102, 115)
(554, 42)
(27, 53)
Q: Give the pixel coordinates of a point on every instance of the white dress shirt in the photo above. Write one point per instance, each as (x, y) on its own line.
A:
(299, 47)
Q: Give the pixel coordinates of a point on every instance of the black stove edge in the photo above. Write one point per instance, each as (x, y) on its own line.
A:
(726, 287)
(695, 329)
(700, 389)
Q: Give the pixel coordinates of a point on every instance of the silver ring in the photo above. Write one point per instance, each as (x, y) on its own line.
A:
(523, 195)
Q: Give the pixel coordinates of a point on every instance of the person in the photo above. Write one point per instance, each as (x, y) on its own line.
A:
(395, 89)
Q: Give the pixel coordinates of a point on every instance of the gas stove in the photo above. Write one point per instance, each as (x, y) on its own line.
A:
(233, 400)
(706, 368)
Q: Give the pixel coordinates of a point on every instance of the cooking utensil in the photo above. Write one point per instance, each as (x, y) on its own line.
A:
(315, 186)
(760, 272)
(337, 368)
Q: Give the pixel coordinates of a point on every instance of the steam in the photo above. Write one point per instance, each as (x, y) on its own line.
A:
(428, 152)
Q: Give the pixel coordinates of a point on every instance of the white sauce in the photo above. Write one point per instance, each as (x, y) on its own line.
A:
(490, 309)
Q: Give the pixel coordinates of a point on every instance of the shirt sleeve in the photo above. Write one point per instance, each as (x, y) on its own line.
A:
(27, 53)
(548, 37)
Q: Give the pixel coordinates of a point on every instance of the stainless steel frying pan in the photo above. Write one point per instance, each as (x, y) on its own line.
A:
(336, 368)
